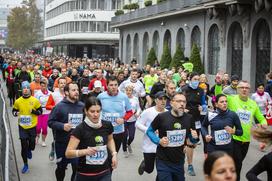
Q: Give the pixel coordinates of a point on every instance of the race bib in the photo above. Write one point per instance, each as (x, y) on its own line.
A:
(99, 157)
(75, 119)
(197, 124)
(85, 90)
(244, 116)
(111, 117)
(222, 137)
(176, 137)
(25, 120)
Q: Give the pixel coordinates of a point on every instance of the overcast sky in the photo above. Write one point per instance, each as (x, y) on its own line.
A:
(10, 2)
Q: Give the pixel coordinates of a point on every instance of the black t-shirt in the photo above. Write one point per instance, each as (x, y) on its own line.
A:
(164, 122)
(90, 137)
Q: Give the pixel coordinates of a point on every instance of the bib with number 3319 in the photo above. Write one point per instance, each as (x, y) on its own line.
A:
(99, 157)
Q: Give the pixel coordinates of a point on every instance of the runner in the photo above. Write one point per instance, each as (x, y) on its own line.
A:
(175, 127)
(232, 88)
(27, 108)
(143, 122)
(92, 141)
(130, 123)
(35, 85)
(65, 116)
(116, 108)
(246, 109)
(42, 95)
(223, 124)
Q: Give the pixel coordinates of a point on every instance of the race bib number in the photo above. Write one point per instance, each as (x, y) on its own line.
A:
(75, 119)
(176, 137)
(85, 90)
(197, 124)
(244, 116)
(112, 117)
(222, 137)
(99, 157)
(25, 120)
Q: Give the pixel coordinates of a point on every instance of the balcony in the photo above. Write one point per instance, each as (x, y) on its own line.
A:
(156, 10)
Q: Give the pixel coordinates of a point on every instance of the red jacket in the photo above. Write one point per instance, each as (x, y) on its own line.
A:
(47, 73)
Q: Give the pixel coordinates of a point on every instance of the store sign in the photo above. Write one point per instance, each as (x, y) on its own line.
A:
(86, 16)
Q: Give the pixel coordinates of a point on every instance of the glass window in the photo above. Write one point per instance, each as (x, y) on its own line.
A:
(84, 26)
(101, 4)
(214, 50)
(93, 4)
(195, 37)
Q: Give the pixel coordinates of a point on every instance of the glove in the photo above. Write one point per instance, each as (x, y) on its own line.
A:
(36, 112)
(14, 113)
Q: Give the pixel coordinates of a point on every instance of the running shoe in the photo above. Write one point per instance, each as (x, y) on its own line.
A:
(43, 144)
(126, 154)
(51, 155)
(29, 154)
(25, 168)
(129, 149)
(141, 168)
(191, 170)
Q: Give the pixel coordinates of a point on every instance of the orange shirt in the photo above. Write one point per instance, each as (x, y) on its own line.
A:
(34, 86)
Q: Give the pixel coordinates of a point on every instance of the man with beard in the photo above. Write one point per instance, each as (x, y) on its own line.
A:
(176, 129)
(64, 117)
(27, 108)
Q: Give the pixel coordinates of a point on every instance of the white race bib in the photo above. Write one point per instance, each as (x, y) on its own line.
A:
(99, 157)
(176, 137)
(25, 120)
(222, 137)
(244, 116)
(117, 128)
(197, 124)
(75, 119)
(85, 90)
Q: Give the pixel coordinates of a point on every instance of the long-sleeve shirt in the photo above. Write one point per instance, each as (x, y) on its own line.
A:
(218, 120)
(264, 164)
(138, 90)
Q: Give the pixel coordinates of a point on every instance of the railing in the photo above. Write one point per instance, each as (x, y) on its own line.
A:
(164, 7)
(8, 166)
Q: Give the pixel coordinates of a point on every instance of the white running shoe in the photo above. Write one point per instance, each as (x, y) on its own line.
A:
(126, 154)
(43, 144)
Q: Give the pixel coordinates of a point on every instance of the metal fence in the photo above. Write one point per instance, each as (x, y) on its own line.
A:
(8, 165)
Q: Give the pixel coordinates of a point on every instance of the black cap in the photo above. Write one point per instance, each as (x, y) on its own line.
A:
(234, 77)
(160, 94)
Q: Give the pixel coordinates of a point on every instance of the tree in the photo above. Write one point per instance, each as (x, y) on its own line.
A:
(178, 57)
(196, 60)
(24, 26)
(151, 58)
(166, 57)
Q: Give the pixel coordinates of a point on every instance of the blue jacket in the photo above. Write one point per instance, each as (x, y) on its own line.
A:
(63, 113)
(218, 122)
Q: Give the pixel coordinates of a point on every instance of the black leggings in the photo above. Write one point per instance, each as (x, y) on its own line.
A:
(118, 139)
(149, 160)
(129, 134)
(27, 145)
(60, 172)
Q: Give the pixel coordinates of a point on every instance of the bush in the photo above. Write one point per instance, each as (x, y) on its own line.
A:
(151, 58)
(126, 6)
(178, 58)
(196, 60)
(119, 12)
(148, 3)
(166, 57)
(134, 6)
(159, 1)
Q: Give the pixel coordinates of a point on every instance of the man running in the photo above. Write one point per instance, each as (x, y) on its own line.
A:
(64, 117)
(27, 108)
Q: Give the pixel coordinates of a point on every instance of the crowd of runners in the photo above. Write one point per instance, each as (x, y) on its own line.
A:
(94, 107)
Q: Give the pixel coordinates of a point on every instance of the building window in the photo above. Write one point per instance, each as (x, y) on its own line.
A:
(93, 4)
(136, 47)
(167, 39)
(214, 50)
(145, 46)
(181, 39)
(196, 37)
(128, 50)
(156, 42)
(101, 4)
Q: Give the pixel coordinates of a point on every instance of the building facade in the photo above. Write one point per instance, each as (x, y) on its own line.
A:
(81, 28)
(4, 11)
(233, 35)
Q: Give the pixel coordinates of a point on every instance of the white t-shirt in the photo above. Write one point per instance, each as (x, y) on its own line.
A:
(136, 109)
(142, 124)
(43, 99)
(261, 101)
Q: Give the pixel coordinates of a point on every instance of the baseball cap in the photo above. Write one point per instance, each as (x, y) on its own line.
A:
(160, 94)
(97, 84)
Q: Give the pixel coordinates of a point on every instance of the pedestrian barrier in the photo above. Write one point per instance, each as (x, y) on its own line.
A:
(8, 166)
